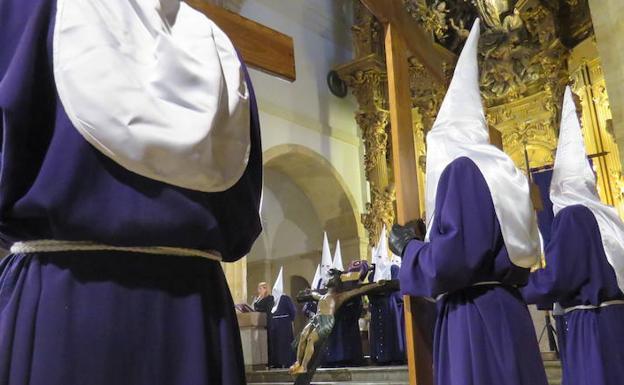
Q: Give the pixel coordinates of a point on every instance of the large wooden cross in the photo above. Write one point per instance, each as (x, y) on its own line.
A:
(261, 47)
(403, 36)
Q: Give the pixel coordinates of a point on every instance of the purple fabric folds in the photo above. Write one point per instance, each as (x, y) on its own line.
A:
(484, 334)
(577, 273)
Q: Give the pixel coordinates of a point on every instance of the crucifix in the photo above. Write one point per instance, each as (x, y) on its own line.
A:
(261, 47)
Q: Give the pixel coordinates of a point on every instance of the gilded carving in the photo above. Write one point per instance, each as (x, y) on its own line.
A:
(373, 125)
(618, 179)
(379, 212)
(492, 12)
(524, 54)
(366, 78)
(589, 85)
(368, 87)
(367, 33)
(426, 93)
(448, 21)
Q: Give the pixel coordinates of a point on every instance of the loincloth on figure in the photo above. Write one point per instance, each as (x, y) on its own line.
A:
(323, 324)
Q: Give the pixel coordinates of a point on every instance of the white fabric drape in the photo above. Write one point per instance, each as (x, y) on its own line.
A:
(326, 261)
(157, 87)
(278, 289)
(380, 258)
(574, 183)
(337, 262)
(460, 130)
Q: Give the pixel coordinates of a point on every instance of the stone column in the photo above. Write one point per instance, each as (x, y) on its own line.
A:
(367, 80)
(236, 276)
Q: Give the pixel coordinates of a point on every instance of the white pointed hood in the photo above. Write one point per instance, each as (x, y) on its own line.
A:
(326, 261)
(278, 289)
(380, 259)
(337, 263)
(317, 278)
(573, 183)
(460, 130)
(395, 259)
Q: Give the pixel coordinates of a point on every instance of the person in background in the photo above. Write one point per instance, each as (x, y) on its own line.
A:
(584, 270)
(263, 302)
(280, 327)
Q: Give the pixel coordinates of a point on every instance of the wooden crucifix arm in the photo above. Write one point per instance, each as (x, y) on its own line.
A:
(347, 295)
(261, 47)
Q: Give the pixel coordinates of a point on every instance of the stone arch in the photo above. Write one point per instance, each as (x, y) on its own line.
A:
(322, 184)
(304, 195)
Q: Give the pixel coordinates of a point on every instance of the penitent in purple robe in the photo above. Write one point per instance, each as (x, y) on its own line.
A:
(386, 329)
(344, 345)
(280, 334)
(577, 273)
(484, 334)
(96, 317)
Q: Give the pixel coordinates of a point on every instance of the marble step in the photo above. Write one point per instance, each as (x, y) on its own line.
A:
(334, 383)
(372, 375)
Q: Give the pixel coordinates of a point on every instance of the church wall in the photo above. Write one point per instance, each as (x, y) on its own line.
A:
(305, 112)
(609, 28)
(291, 228)
(294, 216)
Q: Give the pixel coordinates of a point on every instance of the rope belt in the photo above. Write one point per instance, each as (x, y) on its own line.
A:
(590, 307)
(53, 246)
(484, 283)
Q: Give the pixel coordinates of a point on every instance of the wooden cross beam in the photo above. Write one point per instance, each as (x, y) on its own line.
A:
(261, 47)
(417, 40)
(402, 33)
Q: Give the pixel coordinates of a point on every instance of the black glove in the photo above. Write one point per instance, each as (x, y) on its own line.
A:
(420, 228)
(400, 237)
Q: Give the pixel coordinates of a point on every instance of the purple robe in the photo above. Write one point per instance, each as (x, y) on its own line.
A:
(280, 334)
(96, 317)
(483, 334)
(577, 273)
(309, 309)
(387, 341)
(344, 345)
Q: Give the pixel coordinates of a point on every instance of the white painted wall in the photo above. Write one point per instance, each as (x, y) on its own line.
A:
(305, 112)
(290, 224)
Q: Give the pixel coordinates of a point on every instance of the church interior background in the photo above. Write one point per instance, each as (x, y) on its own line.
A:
(327, 158)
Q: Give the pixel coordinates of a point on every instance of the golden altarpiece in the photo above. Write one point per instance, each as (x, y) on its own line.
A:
(529, 51)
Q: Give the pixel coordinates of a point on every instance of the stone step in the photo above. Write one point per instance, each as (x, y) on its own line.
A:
(333, 383)
(371, 375)
(553, 371)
